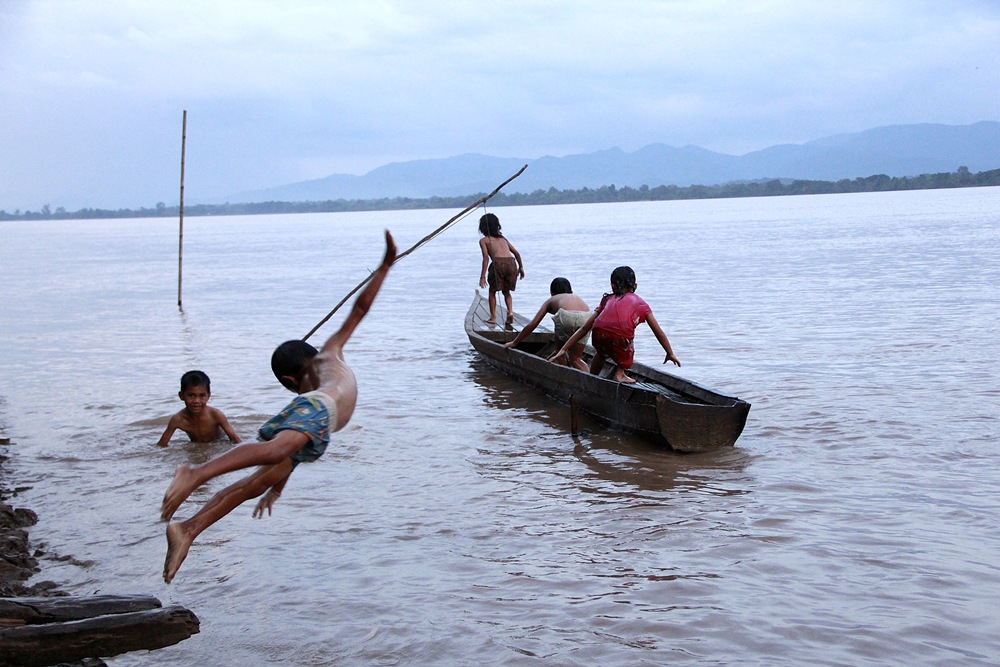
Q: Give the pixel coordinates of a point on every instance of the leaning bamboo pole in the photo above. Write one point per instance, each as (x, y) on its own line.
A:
(416, 245)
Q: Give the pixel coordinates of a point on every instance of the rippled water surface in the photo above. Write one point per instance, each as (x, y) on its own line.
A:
(455, 521)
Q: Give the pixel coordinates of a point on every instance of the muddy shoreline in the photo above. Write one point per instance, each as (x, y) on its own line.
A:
(18, 558)
(150, 627)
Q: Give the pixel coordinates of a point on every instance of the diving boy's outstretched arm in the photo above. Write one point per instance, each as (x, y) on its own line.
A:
(364, 300)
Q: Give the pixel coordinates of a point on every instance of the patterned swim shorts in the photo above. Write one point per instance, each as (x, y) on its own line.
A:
(308, 414)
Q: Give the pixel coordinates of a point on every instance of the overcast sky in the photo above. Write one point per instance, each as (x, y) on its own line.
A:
(92, 92)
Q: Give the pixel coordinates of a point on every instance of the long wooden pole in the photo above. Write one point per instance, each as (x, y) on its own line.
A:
(180, 237)
(416, 245)
(574, 417)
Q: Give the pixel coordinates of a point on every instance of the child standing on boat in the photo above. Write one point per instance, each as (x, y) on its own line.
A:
(501, 266)
(613, 324)
(328, 392)
(569, 313)
(200, 421)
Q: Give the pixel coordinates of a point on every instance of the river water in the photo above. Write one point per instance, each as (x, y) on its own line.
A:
(455, 521)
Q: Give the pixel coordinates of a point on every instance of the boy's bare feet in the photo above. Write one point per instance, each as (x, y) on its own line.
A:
(180, 488)
(491, 321)
(178, 543)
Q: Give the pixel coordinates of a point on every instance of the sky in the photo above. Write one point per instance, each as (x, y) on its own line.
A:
(93, 92)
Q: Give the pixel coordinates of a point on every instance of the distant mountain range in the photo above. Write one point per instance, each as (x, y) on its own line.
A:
(897, 150)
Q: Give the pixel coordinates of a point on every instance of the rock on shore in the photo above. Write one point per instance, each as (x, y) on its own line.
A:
(18, 561)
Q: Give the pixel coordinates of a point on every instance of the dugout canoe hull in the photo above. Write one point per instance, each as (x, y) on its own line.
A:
(662, 408)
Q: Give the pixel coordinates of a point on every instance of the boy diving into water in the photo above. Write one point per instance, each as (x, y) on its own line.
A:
(328, 393)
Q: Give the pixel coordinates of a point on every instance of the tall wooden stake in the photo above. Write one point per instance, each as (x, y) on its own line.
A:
(180, 239)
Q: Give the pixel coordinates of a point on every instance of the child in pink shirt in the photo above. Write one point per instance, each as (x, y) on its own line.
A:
(613, 324)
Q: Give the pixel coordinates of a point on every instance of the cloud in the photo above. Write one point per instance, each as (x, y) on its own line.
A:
(91, 94)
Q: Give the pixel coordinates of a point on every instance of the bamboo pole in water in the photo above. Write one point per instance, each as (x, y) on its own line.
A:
(180, 236)
(574, 417)
(416, 245)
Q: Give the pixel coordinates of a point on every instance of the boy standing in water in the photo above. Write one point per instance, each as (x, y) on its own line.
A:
(328, 392)
(201, 422)
(569, 313)
(501, 266)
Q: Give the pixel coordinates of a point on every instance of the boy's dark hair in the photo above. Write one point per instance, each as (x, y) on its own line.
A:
(195, 379)
(622, 280)
(489, 225)
(560, 286)
(290, 358)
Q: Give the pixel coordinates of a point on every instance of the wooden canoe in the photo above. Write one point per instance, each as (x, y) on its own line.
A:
(660, 407)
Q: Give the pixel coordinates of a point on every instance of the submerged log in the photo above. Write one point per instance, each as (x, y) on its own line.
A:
(38, 643)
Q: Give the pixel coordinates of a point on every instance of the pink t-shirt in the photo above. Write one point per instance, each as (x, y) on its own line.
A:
(620, 316)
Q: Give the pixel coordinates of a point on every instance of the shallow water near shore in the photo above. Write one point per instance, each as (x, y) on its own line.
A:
(454, 520)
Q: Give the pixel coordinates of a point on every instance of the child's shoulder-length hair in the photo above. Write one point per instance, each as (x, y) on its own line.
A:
(489, 225)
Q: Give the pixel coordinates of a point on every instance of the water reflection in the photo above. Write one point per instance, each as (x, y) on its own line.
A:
(619, 459)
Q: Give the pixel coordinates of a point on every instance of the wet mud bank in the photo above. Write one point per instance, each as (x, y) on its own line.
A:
(18, 559)
(41, 625)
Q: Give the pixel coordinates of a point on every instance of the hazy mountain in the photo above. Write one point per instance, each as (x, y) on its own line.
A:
(898, 150)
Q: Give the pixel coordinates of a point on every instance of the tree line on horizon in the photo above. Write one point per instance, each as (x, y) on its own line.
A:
(961, 178)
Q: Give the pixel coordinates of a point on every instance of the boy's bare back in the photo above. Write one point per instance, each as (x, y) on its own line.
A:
(566, 301)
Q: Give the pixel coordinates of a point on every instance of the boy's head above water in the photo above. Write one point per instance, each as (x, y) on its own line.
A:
(289, 360)
(195, 379)
(195, 391)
